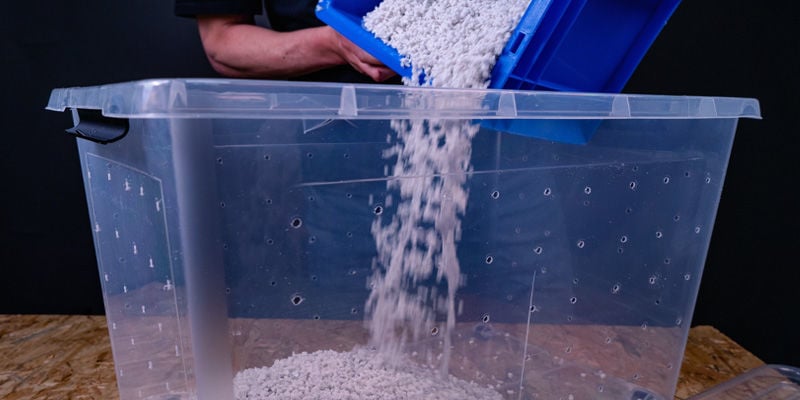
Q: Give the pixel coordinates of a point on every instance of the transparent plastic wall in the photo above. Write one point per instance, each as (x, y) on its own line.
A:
(233, 229)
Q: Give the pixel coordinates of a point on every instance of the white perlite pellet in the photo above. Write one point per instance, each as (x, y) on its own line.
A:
(452, 43)
(352, 375)
(455, 43)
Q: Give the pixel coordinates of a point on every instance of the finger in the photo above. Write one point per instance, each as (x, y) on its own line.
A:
(385, 73)
(378, 74)
(368, 58)
(360, 53)
(373, 73)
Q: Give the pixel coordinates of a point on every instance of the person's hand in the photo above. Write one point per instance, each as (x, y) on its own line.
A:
(238, 48)
(359, 59)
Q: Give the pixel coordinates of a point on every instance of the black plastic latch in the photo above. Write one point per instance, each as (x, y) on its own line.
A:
(93, 125)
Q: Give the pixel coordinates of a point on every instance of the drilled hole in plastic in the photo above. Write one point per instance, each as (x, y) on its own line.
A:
(297, 299)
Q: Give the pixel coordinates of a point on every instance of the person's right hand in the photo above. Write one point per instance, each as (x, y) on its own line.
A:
(359, 59)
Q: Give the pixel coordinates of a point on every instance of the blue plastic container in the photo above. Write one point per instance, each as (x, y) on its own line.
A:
(580, 45)
(562, 45)
(570, 45)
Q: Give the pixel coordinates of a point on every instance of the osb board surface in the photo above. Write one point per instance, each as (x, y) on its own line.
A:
(768, 382)
(55, 357)
(711, 358)
(69, 357)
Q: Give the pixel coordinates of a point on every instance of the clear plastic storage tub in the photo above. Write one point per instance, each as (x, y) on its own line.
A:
(232, 225)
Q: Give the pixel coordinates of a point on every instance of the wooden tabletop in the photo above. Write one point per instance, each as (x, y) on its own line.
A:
(69, 357)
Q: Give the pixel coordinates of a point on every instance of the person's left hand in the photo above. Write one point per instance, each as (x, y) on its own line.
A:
(359, 59)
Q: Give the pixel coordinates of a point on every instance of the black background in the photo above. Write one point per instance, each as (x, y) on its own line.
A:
(751, 285)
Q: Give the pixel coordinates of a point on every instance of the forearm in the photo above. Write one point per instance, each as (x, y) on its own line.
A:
(237, 48)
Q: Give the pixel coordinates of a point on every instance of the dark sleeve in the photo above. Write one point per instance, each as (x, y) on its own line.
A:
(191, 8)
